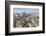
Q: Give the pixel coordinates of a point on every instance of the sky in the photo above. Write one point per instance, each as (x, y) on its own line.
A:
(26, 10)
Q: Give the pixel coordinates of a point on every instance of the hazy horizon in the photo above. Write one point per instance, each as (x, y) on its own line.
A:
(26, 10)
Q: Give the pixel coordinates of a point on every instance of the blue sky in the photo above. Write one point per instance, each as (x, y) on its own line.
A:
(27, 10)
